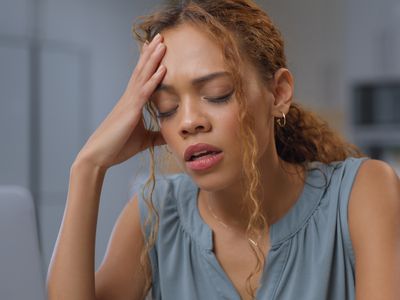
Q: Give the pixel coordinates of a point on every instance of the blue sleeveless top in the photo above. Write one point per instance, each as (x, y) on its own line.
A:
(310, 258)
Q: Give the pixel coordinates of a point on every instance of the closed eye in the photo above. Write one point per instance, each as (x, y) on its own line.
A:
(161, 115)
(222, 99)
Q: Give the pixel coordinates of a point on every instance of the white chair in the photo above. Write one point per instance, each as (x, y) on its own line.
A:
(21, 275)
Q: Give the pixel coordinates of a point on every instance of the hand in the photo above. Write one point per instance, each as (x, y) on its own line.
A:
(122, 134)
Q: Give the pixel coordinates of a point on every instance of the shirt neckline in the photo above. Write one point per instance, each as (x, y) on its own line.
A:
(286, 227)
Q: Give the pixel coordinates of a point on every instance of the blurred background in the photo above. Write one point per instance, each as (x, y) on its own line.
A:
(64, 64)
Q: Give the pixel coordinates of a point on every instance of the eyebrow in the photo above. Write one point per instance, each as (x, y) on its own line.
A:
(196, 82)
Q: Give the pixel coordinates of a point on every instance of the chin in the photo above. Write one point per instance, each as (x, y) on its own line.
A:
(215, 180)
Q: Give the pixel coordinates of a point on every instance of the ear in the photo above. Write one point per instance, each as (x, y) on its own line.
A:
(282, 88)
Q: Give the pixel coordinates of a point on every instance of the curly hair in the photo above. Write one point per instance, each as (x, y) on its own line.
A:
(244, 33)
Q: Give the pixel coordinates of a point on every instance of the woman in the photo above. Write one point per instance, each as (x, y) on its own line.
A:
(271, 203)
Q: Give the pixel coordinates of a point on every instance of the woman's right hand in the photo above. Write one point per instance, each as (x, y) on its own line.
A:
(122, 134)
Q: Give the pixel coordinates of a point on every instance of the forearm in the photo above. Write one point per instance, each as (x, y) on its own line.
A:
(71, 270)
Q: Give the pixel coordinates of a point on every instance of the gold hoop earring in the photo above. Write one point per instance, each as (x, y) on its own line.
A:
(282, 121)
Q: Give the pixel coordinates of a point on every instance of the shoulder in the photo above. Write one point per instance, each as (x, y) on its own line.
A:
(376, 189)
(374, 223)
(161, 194)
(161, 187)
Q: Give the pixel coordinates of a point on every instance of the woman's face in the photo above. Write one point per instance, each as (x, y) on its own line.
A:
(197, 106)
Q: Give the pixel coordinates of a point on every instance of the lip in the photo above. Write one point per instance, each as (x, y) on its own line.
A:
(197, 148)
(205, 163)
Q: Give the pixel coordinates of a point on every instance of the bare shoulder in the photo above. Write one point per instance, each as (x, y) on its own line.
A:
(374, 224)
(375, 196)
(376, 184)
(120, 275)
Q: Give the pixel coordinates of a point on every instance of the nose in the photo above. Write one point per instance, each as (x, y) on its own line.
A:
(193, 120)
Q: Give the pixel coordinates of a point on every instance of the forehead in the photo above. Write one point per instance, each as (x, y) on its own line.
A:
(191, 53)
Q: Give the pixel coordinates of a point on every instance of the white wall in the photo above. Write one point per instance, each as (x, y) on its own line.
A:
(102, 32)
(373, 57)
(104, 28)
(85, 57)
(372, 39)
(15, 90)
(331, 45)
(314, 33)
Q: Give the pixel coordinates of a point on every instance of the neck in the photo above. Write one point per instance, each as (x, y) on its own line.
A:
(282, 186)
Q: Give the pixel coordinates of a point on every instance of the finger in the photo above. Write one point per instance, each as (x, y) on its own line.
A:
(144, 47)
(147, 52)
(137, 74)
(143, 94)
(150, 86)
(153, 63)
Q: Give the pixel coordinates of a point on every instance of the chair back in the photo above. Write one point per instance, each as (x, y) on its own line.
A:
(21, 274)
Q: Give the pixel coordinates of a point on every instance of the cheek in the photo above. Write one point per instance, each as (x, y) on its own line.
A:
(261, 109)
(264, 130)
(231, 126)
(228, 128)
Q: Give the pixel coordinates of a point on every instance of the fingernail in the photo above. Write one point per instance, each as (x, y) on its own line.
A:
(157, 37)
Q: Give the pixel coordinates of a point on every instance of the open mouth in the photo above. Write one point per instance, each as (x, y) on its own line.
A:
(200, 150)
(203, 154)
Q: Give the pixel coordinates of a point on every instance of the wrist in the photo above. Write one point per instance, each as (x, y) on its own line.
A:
(87, 166)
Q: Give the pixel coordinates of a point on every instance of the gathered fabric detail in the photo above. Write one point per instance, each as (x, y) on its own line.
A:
(311, 255)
